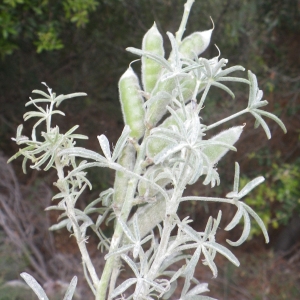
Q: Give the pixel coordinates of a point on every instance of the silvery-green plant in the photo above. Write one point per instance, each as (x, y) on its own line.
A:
(162, 149)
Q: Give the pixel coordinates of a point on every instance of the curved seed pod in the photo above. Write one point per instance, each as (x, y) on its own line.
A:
(127, 160)
(152, 42)
(132, 103)
(155, 213)
(145, 189)
(195, 43)
(230, 136)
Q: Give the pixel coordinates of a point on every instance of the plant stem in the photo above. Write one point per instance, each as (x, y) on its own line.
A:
(171, 209)
(71, 214)
(110, 264)
(226, 119)
(186, 13)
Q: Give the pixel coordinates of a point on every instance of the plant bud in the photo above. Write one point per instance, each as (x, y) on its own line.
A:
(132, 103)
(152, 42)
(230, 136)
(127, 160)
(194, 44)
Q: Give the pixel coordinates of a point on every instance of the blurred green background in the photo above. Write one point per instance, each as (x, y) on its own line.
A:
(79, 46)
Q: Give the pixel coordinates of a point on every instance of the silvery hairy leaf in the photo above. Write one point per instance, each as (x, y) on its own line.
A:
(104, 143)
(161, 60)
(71, 289)
(35, 286)
(224, 251)
(246, 230)
(123, 287)
(255, 96)
(121, 143)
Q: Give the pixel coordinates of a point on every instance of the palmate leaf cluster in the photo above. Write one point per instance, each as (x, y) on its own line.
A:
(162, 149)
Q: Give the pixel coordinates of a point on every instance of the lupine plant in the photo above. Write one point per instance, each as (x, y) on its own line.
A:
(162, 149)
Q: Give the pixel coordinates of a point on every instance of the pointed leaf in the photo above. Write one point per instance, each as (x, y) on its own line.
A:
(104, 143)
(262, 123)
(273, 117)
(71, 289)
(121, 142)
(161, 60)
(131, 264)
(119, 251)
(236, 218)
(191, 265)
(198, 289)
(258, 220)
(246, 231)
(223, 87)
(210, 262)
(224, 251)
(250, 186)
(35, 286)
(41, 93)
(123, 287)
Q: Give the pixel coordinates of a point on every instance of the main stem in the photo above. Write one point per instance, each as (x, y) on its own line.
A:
(118, 233)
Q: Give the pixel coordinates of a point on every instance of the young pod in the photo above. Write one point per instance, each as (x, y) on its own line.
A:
(132, 103)
(154, 212)
(152, 42)
(194, 44)
(230, 136)
(127, 160)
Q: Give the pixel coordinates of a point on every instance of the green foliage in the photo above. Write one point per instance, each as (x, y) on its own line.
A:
(279, 199)
(40, 22)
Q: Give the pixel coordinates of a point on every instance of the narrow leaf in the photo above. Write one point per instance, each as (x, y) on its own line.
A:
(210, 262)
(224, 251)
(246, 231)
(258, 220)
(273, 117)
(121, 142)
(262, 123)
(250, 186)
(71, 289)
(236, 219)
(131, 264)
(35, 286)
(123, 287)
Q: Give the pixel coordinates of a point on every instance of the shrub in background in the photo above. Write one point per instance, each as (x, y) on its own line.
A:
(164, 147)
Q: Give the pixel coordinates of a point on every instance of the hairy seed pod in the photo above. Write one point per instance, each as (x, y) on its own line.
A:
(152, 42)
(230, 136)
(194, 44)
(145, 189)
(127, 160)
(132, 103)
(155, 213)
